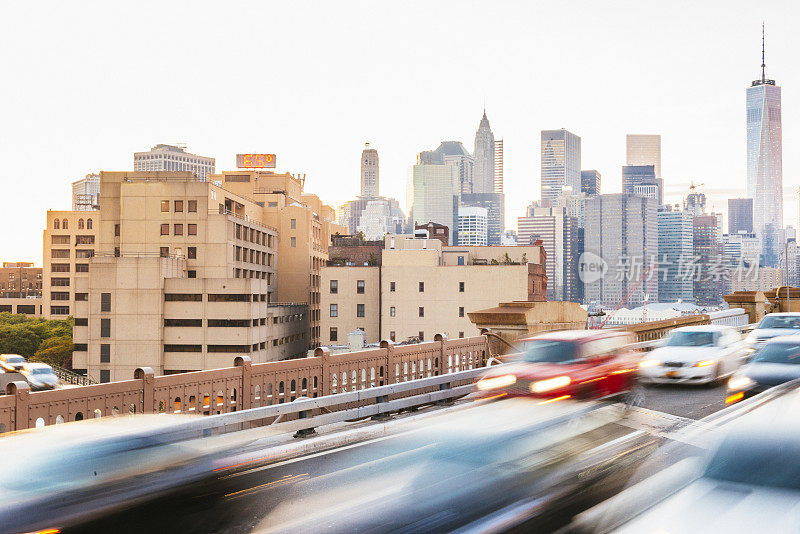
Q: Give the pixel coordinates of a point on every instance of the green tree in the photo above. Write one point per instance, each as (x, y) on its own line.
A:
(55, 351)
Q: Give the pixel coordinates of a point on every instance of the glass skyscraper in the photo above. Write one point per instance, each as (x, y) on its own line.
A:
(561, 163)
(764, 152)
(675, 253)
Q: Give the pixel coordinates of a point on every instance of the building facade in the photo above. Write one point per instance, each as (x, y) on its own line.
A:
(495, 206)
(709, 273)
(644, 149)
(472, 226)
(642, 180)
(21, 288)
(483, 176)
(435, 194)
(86, 193)
(561, 162)
(498, 166)
(675, 253)
(370, 174)
(740, 215)
(590, 183)
(173, 158)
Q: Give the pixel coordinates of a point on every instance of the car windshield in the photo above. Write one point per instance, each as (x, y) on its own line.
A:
(780, 321)
(691, 339)
(542, 350)
(15, 359)
(778, 353)
(761, 462)
(42, 371)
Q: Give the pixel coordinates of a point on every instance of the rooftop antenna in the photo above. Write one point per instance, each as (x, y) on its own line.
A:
(763, 64)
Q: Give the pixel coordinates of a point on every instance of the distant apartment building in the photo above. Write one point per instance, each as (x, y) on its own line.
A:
(370, 177)
(86, 193)
(559, 234)
(422, 288)
(740, 215)
(622, 237)
(173, 158)
(71, 239)
(710, 268)
(561, 163)
(675, 255)
(472, 226)
(184, 278)
(644, 149)
(21, 288)
(590, 183)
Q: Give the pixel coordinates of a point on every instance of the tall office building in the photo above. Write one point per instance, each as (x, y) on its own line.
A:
(381, 216)
(454, 154)
(472, 225)
(434, 194)
(623, 231)
(561, 162)
(590, 182)
(86, 193)
(709, 274)
(369, 172)
(740, 215)
(644, 150)
(498, 166)
(695, 203)
(675, 254)
(764, 151)
(173, 158)
(483, 175)
(642, 180)
(495, 204)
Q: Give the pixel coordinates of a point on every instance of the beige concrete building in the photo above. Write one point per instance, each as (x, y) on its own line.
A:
(70, 241)
(304, 225)
(423, 288)
(184, 279)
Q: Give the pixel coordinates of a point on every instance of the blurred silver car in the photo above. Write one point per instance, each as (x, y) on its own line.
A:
(773, 325)
(40, 376)
(11, 363)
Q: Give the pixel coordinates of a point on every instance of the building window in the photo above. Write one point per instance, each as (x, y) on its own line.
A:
(461, 311)
(105, 302)
(164, 252)
(81, 268)
(116, 230)
(192, 229)
(84, 240)
(392, 311)
(105, 353)
(461, 260)
(64, 224)
(422, 287)
(81, 297)
(60, 239)
(105, 376)
(293, 242)
(183, 348)
(421, 311)
(391, 286)
(334, 334)
(81, 347)
(178, 230)
(56, 225)
(179, 205)
(334, 310)
(59, 253)
(183, 297)
(105, 327)
(359, 310)
(293, 224)
(59, 310)
(81, 321)
(165, 206)
(461, 334)
(229, 348)
(360, 286)
(229, 297)
(191, 274)
(59, 295)
(192, 206)
(421, 335)
(165, 229)
(461, 287)
(191, 253)
(391, 335)
(89, 224)
(80, 224)
(334, 287)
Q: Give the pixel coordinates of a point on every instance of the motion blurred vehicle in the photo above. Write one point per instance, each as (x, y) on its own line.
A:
(773, 325)
(65, 475)
(746, 480)
(694, 354)
(776, 362)
(577, 364)
(11, 363)
(40, 376)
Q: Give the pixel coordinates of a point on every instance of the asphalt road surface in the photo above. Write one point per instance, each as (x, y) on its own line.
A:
(690, 400)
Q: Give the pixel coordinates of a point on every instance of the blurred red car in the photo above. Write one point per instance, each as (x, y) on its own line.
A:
(576, 364)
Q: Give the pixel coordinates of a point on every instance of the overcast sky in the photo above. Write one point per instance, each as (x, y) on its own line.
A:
(85, 84)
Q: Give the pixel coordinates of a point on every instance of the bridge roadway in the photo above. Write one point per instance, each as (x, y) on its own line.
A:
(377, 476)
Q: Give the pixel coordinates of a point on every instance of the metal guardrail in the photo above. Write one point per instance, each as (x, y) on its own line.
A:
(69, 377)
(382, 406)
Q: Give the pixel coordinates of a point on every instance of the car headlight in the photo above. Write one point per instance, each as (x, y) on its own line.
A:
(485, 384)
(751, 340)
(649, 363)
(704, 363)
(543, 386)
(740, 382)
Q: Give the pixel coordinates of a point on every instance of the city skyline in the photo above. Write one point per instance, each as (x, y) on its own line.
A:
(61, 127)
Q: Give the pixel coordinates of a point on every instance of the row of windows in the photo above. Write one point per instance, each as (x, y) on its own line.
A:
(191, 206)
(252, 235)
(360, 286)
(213, 297)
(334, 334)
(64, 224)
(334, 311)
(252, 256)
(65, 268)
(191, 229)
(246, 273)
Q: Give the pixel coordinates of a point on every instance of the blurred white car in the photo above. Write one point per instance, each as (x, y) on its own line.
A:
(11, 363)
(773, 325)
(694, 354)
(40, 376)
